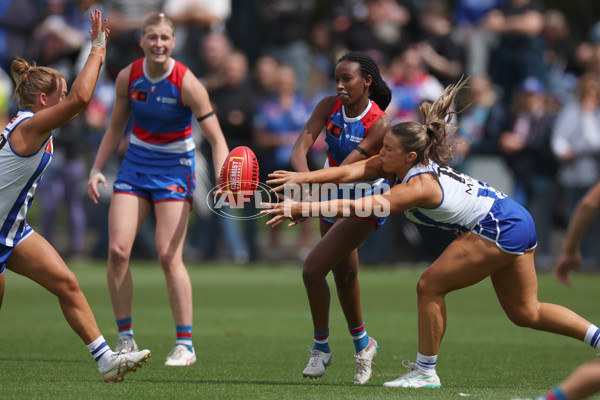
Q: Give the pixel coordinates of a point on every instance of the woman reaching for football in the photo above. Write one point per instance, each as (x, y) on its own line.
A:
(355, 123)
(496, 236)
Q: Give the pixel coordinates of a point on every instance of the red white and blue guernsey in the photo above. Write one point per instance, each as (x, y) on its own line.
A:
(471, 205)
(162, 131)
(343, 134)
(18, 180)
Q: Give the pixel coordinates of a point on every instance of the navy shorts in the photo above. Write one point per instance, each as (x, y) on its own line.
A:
(156, 188)
(509, 225)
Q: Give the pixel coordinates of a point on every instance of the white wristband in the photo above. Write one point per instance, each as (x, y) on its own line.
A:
(100, 40)
(96, 173)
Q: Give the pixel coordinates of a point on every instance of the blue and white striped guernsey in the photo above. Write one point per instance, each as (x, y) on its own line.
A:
(19, 178)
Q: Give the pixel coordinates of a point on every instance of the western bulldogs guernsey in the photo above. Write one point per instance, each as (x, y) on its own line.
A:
(18, 181)
(162, 132)
(344, 134)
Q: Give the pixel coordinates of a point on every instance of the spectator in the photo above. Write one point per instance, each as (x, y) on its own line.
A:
(215, 48)
(284, 29)
(441, 53)
(576, 143)
(194, 19)
(411, 84)
(18, 18)
(559, 55)
(480, 124)
(520, 51)
(378, 29)
(469, 17)
(526, 147)
(234, 104)
(278, 122)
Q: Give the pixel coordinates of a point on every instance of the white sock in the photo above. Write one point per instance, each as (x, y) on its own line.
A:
(426, 363)
(100, 350)
(592, 336)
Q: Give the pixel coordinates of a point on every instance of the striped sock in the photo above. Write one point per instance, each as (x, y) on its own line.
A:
(125, 327)
(360, 337)
(592, 336)
(184, 336)
(555, 394)
(100, 350)
(322, 342)
(426, 363)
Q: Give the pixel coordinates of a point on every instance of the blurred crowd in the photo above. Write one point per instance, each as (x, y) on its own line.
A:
(529, 120)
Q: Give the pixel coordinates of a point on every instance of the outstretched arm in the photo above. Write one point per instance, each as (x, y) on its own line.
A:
(38, 128)
(358, 171)
(421, 191)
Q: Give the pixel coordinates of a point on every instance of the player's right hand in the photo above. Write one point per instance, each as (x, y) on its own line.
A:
(96, 177)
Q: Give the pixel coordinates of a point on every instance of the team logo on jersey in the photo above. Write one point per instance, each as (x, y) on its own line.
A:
(334, 129)
(138, 95)
(176, 188)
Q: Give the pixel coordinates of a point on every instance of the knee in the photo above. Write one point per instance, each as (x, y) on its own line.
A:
(523, 316)
(67, 286)
(167, 261)
(312, 271)
(117, 254)
(425, 285)
(345, 277)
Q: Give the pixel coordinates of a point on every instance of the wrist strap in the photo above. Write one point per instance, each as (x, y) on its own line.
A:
(100, 40)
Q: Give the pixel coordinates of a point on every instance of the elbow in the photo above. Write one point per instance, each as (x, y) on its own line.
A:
(79, 101)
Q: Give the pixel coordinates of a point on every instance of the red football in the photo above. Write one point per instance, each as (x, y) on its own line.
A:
(239, 174)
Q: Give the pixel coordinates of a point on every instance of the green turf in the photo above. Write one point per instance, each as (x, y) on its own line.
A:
(251, 329)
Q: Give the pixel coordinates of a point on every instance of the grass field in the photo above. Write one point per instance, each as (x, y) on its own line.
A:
(251, 329)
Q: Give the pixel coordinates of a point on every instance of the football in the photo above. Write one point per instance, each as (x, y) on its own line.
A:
(239, 175)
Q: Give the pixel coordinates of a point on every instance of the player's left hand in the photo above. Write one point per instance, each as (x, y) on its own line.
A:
(286, 209)
(566, 262)
(281, 179)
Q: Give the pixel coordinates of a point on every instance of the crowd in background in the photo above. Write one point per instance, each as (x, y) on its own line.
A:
(530, 120)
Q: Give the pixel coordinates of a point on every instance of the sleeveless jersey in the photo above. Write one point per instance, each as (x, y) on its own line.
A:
(465, 202)
(162, 132)
(344, 133)
(18, 181)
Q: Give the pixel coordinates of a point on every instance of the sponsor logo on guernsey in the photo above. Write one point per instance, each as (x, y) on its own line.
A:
(185, 161)
(166, 100)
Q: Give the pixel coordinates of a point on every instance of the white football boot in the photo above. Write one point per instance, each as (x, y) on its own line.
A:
(120, 365)
(180, 356)
(415, 378)
(364, 359)
(317, 364)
